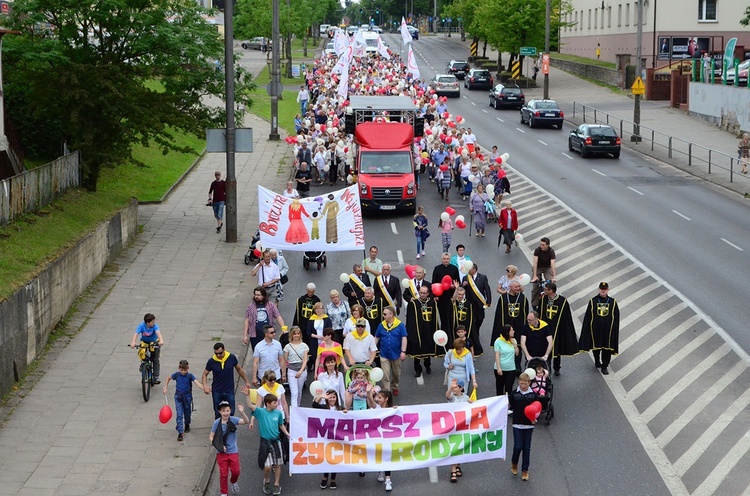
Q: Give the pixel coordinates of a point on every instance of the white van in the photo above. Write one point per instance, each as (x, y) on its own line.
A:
(371, 38)
(324, 29)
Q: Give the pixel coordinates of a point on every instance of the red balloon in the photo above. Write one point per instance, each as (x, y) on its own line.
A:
(165, 414)
(447, 282)
(346, 149)
(257, 253)
(444, 168)
(411, 271)
(450, 210)
(452, 125)
(499, 160)
(322, 128)
(448, 139)
(533, 410)
(501, 174)
(428, 131)
(446, 115)
(433, 102)
(459, 118)
(437, 289)
(460, 224)
(425, 160)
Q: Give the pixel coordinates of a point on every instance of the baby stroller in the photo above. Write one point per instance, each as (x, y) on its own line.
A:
(250, 255)
(544, 389)
(314, 257)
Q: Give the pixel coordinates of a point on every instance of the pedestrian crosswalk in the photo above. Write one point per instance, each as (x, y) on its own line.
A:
(679, 378)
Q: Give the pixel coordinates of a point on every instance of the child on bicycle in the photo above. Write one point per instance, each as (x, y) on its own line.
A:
(148, 332)
(183, 397)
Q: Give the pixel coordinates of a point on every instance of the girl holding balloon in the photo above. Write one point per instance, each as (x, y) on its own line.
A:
(446, 226)
(526, 408)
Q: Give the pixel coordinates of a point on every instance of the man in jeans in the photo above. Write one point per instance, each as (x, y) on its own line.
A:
(216, 198)
(542, 269)
(391, 340)
(222, 364)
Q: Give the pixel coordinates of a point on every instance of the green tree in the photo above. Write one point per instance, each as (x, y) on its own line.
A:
(745, 21)
(107, 74)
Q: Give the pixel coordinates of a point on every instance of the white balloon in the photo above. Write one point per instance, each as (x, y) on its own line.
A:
(440, 338)
(376, 374)
(344, 277)
(524, 279)
(530, 372)
(349, 179)
(319, 141)
(461, 218)
(341, 144)
(490, 189)
(471, 178)
(445, 216)
(317, 388)
(505, 157)
(468, 265)
(405, 282)
(335, 130)
(430, 138)
(317, 127)
(519, 237)
(326, 167)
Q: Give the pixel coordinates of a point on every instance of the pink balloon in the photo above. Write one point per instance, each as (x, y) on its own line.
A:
(533, 410)
(437, 289)
(411, 271)
(450, 210)
(499, 160)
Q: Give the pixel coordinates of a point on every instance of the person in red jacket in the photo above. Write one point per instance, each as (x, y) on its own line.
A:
(508, 220)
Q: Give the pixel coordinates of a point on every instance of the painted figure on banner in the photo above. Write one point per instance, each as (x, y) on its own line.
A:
(297, 232)
(331, 210)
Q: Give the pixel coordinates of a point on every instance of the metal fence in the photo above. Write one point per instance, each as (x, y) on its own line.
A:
(38, 187)
(670, 149)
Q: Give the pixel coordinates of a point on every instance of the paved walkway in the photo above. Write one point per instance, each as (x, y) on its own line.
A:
(657, 115)
(83, 427)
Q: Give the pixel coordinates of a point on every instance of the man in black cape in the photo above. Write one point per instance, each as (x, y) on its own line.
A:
(445, 300)
(354, 288)
(555, 311)
(601, 328)
(512, 309)
(373, 305)
(463, 315)
(421, 324)
(303, 310)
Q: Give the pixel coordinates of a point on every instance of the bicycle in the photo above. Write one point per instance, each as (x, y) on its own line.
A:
(146, 354)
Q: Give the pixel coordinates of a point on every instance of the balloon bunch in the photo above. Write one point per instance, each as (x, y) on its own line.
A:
(460, 219)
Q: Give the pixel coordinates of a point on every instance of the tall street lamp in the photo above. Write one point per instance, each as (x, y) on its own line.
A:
(231, 180)
(636, 137)
(546, 49)
(274, 86)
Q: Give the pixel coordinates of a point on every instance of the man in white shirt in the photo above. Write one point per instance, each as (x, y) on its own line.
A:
(302, 98)
(469, 140)
(267, 271)
(360, 346)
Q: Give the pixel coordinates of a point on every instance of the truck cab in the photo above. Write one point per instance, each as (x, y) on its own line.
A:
(384, 129)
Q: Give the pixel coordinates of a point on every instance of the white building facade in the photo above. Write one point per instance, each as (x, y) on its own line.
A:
(672, 29)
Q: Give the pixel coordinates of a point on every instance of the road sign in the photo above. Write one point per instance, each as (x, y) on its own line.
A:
(638, 87)
(528, 51)
(515, 71)
(274, 90)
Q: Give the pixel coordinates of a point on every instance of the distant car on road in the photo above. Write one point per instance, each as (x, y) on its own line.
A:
(414, 32)
(478, 79)
(507, 96)
(446, 84)
(257, 43)
(542, 113)
(458, 68)
(324, 29)
(591, 139)
(329, 51)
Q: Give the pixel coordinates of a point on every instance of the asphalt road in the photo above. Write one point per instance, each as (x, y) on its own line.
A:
(605, 437)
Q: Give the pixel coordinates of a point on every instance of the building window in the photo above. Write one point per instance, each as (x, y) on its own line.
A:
(601, 24)
(707, 10)
(609, 17)
(627, 14)
(590, 18)
(619, 15)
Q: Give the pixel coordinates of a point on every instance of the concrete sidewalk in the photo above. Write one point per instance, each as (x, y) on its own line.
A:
(566, 88)
(79, 425)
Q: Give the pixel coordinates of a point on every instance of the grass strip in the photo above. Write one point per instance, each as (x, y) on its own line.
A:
(583, 60)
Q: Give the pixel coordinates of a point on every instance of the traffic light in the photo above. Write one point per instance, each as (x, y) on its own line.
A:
(361, 11)
(377, 11)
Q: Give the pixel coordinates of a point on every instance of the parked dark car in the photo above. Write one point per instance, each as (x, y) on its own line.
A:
(458, 68)
(542, 113)
(478, 79)
(507, 96)
(591, 139)
(257, 43)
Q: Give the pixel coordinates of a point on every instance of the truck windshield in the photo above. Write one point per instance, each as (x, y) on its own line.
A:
(385, 163)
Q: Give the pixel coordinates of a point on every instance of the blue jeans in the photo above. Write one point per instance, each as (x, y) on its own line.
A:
(522, 442)
(218, 210)
(183, 405)
(420, 245)
(303, 107)
(218, 397)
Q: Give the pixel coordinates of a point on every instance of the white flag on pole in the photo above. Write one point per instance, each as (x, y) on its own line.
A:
(412, 64)
(405, 35)
(382, 50)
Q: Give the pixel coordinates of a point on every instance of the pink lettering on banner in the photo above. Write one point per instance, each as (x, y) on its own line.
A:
(368, 428)
(345, 430)
(317, 429)
(274, 216)
(442, 423)
(411, 419)
(389, 427)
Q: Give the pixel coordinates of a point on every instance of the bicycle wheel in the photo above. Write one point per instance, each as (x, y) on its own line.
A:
(146, 381)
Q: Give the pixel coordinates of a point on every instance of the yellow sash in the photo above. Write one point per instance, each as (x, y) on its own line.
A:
(413, 288)
(384, 290)
(356, 280)
(222, 360)
(462, 355)
(475, 290)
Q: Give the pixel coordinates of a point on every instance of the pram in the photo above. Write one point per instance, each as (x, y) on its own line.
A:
(314, 257)
(548, 410)
(250, 255)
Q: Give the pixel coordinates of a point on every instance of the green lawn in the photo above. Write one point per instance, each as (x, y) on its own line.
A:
(28, 244)
(583, 60)
(288, 106)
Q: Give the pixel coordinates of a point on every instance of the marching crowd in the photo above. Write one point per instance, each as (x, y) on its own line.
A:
(355, 343)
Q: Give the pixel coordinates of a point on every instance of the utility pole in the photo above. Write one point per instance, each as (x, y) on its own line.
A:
(636, 137)
(275, 76)
(546, 49)
(231, 180)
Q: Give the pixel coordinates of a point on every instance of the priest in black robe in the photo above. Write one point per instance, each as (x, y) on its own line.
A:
(445, 300)
(421, 323)
(555, 311)
(373, 305)
(512, 309)
(601, 328)
(463, 315)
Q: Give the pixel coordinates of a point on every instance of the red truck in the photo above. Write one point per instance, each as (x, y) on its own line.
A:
(384, 130)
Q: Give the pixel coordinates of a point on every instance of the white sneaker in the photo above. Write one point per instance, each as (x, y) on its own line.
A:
(388, 485)
(423, 253)
(381, 476)
(235, 488)
(417, 256)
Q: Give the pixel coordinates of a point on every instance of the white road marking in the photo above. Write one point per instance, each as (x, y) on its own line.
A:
(474, 104)
(519, 129)
(726, 465)
(542, 142)
(566, 155)
(731, 244)
(686, 380)
(635, 190)
(498, 118)
(465, 97)
(400, 257)
(600, 173)
(393, 228)
(681, 215)
(485, 111)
